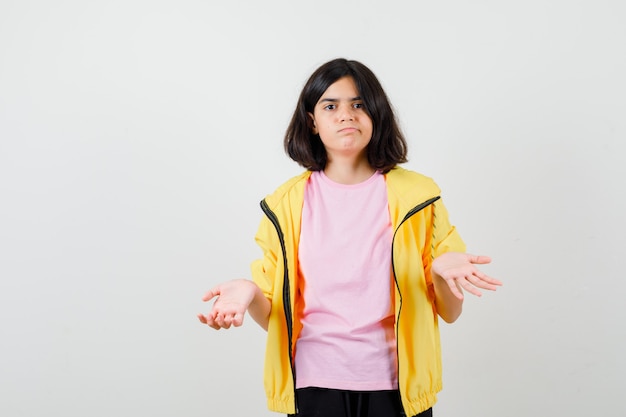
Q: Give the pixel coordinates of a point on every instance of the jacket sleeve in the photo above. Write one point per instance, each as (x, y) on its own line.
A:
(264, 269)
(443, 237)
(446, 238)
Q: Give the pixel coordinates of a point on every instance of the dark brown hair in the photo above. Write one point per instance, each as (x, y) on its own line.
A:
(387, 147)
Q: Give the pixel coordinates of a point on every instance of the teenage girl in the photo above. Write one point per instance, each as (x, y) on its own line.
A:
(359, 261)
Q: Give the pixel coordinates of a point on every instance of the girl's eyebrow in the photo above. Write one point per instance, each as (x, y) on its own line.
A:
(325, 100)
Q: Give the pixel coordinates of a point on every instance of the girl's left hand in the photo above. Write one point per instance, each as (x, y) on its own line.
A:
(459, 270)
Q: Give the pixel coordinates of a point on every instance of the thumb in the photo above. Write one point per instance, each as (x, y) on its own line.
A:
(478, 259)
(211, 293)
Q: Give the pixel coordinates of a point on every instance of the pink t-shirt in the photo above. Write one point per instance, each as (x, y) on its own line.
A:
(347, 340)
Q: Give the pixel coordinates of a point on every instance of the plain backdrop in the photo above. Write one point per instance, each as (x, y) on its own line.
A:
(138, 137)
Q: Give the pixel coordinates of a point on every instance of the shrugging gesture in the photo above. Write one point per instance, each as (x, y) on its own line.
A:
(454, 272)
(234, 298)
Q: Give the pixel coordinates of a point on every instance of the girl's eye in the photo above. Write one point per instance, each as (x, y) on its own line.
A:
(330, 107)
(358, 105)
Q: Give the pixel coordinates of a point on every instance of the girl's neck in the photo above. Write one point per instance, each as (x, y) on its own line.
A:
(348, 173)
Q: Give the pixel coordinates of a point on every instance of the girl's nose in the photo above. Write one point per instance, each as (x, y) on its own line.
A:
(346, 114)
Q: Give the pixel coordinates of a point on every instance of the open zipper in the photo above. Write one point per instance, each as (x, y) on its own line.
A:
(411, 212)
(286, 289)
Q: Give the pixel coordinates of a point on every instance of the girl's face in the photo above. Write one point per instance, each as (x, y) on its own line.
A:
(339, 117)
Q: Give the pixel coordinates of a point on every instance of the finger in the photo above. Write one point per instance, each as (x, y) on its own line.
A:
(488, 280)
(211, 293)
(492, 281)
(223, 321)
(477, 282)
(479, 259)
(454, 289)
(466, 284)
(212, 321)
(208, 321)
(237, 320)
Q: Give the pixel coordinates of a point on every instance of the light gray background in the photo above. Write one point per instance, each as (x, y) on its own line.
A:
(137, 138)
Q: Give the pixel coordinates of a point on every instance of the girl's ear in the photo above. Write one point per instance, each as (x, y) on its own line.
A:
(312, 124)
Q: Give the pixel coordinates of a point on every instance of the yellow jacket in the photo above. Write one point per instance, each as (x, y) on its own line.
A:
(421, 233)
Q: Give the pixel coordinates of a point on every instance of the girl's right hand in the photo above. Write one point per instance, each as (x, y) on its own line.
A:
(233, 299)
